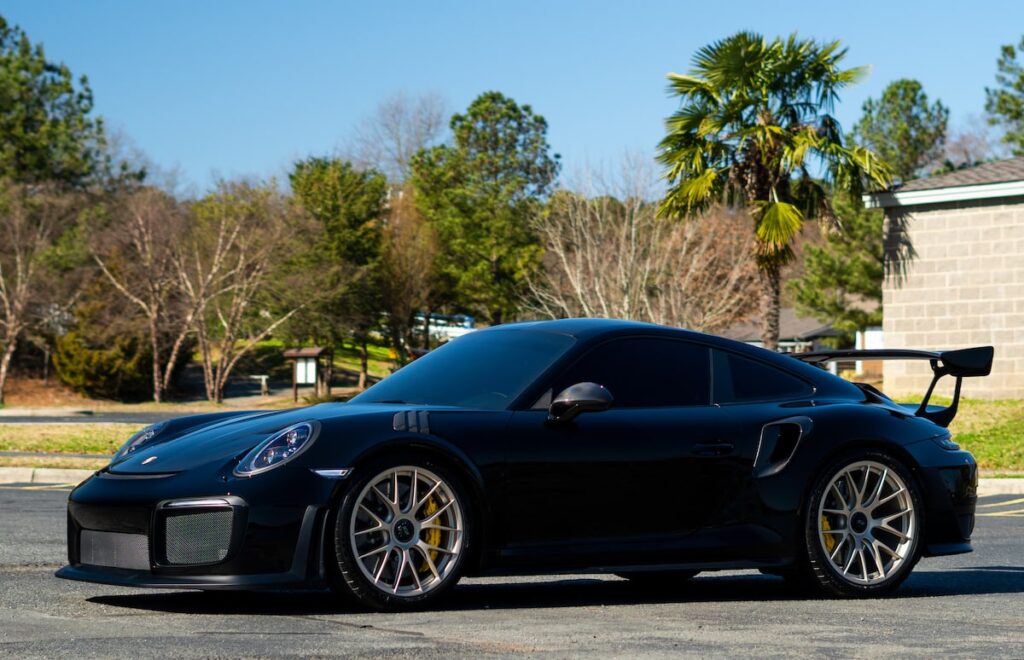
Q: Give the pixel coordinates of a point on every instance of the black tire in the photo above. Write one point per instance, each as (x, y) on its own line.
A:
(659, 579)
(344, 574)
(817, 570)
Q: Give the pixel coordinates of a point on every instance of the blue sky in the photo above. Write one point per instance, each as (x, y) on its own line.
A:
(231, 88)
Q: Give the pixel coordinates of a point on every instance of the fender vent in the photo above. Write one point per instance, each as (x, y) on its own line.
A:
(779, 441)
(413, 421)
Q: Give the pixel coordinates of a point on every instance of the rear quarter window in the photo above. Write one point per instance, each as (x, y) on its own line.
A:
(737, 379)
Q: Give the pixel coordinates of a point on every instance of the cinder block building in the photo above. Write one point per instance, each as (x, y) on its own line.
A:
(955, 274)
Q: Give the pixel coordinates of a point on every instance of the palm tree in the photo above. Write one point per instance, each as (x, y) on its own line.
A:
(755, 127)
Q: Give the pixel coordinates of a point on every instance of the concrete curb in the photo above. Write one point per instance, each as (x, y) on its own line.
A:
(1007, 486)
(56, 411)
(27, 475)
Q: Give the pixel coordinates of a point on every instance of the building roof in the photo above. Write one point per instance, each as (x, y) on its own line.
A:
(791, 328)
(1003, 178)
(308, 352)
(999, 171)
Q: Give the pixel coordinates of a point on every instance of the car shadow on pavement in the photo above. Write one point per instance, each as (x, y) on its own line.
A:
(570, 592)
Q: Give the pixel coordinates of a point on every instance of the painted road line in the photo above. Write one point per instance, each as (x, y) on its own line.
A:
(1006, 503)
(1015, 512)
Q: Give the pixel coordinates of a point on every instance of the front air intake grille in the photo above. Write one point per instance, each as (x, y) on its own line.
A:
(114, 549)
(202, 537)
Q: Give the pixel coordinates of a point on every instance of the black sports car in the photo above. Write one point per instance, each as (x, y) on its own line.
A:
(576, 445)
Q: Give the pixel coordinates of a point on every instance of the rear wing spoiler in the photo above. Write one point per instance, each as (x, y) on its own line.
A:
(962, 363)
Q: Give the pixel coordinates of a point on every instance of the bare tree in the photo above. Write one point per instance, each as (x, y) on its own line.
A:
(972, 142)
(400, 126)
(233, 268)
(407, 267)
(31, 219)
(610, 255)
(136, 254)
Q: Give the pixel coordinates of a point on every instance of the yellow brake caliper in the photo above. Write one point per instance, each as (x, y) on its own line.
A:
(433, 536)
(830, 539)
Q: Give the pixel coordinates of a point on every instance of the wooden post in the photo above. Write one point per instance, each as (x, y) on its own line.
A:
(295, 380)
(330, 371)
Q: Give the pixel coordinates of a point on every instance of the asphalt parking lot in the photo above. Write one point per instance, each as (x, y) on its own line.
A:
(969, 605)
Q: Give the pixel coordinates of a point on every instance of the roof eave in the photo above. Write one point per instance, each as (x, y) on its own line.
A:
(889, 199)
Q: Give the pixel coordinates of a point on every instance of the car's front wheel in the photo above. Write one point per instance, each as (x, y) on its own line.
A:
(401, 534)
(863, 526)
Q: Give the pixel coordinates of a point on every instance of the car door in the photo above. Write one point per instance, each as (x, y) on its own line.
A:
(629, 483)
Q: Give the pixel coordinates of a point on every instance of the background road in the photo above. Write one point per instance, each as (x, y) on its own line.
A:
(968, 605)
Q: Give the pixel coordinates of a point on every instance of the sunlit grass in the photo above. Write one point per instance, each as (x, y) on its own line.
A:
(65, 438)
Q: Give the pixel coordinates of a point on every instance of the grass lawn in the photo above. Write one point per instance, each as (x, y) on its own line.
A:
(993, 431)
(380, 362)
(65, 438)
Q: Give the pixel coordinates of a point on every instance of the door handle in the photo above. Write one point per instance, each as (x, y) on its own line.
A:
(712, 449)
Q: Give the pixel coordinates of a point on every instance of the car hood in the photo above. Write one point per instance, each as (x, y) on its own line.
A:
(192, 441)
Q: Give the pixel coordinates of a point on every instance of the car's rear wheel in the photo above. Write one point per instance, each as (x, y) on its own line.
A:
(401, 534)
(864, 524)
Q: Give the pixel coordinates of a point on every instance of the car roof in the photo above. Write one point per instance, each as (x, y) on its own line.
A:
(581, 328)
(586, 329)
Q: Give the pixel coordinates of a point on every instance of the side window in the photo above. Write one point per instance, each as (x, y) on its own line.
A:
(739, 379)
(645, 372)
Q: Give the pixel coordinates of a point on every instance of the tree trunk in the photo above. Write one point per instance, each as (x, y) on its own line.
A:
(204, 349)
(396, 340)
(426, 329)
(364, 362)
(5, 365)
(154, 343)
(771, 283)
(175, 350)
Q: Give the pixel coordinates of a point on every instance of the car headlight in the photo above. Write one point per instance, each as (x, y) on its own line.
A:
(138, 441)
(278, 449)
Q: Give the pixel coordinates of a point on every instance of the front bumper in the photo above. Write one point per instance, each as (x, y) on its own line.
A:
(265, 532)
(305, 571)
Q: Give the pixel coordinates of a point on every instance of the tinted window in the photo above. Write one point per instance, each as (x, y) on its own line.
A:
(480, 370)
(645, 372)
(739, 379)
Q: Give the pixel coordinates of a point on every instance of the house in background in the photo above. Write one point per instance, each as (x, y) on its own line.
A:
(800, 334)
(955, 253)
(796, 334)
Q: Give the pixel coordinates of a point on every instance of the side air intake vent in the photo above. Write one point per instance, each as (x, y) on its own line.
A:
(779, 441)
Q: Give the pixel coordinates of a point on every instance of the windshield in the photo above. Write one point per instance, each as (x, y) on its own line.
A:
(486, 370)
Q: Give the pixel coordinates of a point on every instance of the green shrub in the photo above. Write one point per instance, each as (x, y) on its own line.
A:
(120, 370)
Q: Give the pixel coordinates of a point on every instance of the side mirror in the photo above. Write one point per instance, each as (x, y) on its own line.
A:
(579, 398)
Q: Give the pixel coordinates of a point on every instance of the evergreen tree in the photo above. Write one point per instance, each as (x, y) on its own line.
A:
(479, 193)
(904, 130)
(842, 280)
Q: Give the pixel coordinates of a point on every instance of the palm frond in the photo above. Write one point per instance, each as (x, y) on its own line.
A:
(686, 85)
(777, 224)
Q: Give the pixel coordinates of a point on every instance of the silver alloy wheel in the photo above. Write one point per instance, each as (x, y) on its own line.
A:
(406, 531)
(867, 524)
